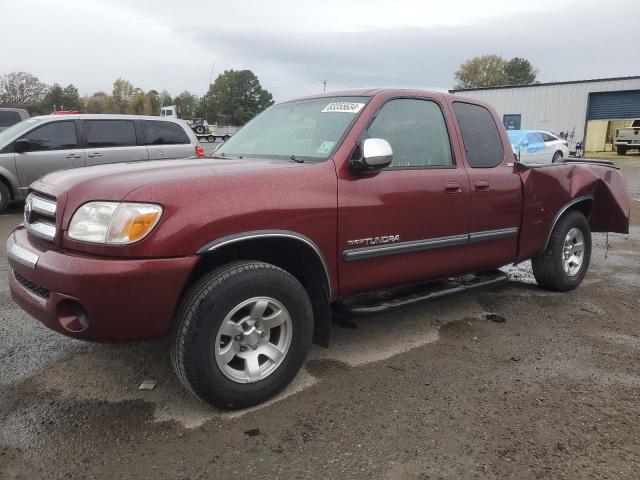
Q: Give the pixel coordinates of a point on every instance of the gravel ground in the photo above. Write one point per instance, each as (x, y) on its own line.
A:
(433, 392)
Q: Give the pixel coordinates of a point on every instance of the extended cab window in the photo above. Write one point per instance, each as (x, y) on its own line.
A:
(110, 133)
(53, 136)
(480, 135)
(8, 118)
(163, 133)
(416, 131)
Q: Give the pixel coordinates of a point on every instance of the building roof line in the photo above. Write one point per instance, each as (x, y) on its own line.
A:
(570, 82)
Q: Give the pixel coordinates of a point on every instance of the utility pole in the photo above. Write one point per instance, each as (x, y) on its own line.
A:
(324, 85)
(211, 75)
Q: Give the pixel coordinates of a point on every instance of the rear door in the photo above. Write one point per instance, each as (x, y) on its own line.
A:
(166, 140)
(112, 140)
(52, 146)
(495, 188)
(407, 222)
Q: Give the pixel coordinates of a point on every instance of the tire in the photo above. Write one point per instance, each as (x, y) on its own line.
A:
(198, 347)
(200, 129)
(550, 267)
(211, 139)
(621, 150)
(5, 196)
(225, 138)
(557, 157)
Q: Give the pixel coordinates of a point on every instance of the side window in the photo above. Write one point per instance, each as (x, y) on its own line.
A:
(163, 133)
(416, 131)
(480, 135)
(548, 138)
(534, 138)
(110, 133)
(8, 118)
(53, 136)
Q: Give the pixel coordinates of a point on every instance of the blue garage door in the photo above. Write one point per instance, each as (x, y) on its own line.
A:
(610, 105)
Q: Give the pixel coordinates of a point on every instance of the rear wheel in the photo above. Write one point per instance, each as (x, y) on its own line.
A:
(557, 157)
(211, 139)
(621, 150)
(5, 196)
(564, 263)
(241, 334)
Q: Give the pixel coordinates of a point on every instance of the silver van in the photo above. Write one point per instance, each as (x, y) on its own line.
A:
(40, 145)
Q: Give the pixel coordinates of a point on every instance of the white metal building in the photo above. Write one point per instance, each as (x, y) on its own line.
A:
(579, 109)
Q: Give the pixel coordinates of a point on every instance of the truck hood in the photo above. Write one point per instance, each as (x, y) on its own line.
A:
(115, 181)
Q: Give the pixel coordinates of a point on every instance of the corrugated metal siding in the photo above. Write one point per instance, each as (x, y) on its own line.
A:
(607, 105)
(556, 108)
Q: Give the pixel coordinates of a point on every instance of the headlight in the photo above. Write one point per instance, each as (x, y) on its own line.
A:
(114, 222)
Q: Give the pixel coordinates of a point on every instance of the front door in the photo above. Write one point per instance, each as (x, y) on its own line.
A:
(407, 222)
(111, 141)
(52, 146)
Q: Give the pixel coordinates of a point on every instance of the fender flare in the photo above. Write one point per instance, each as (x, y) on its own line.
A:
(562, 211)
(257, 234)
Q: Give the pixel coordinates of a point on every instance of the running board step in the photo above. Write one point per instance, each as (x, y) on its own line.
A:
(389, 300)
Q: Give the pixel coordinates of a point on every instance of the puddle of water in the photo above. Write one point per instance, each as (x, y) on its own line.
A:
(113, 373)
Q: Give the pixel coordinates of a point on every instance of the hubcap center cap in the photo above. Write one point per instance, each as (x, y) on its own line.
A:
(251, 337)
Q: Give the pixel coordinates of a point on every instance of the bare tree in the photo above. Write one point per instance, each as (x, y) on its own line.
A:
(21, 88)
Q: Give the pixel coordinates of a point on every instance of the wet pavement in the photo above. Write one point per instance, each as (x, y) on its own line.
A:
(435, 391)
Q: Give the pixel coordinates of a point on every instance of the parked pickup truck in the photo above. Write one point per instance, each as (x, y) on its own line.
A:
(312, 209)
(628, 138)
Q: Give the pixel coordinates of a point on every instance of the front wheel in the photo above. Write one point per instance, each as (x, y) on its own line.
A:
(621, 150)
(564, 263)
(557, 157)
(241, 334)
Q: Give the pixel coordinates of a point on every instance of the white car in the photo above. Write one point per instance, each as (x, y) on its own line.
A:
(536, 146)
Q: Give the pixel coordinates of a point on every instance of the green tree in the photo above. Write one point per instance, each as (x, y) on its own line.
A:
(483, 71)
(236, 97)
(187, 103)
(519, 71)
(165, 99)
(58, 98)
(122, 94)
(153, 98)
(99, 102)
(21, 89)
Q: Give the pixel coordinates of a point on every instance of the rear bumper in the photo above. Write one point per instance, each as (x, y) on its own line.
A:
(95, 298)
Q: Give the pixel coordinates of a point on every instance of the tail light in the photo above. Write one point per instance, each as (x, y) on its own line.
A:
(199, 151)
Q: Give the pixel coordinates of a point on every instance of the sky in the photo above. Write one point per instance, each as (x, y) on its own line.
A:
(294, 45)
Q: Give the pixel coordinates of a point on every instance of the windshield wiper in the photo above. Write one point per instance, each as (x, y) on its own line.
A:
(296, 159)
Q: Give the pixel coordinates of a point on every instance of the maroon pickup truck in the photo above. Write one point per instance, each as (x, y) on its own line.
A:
(312, 209)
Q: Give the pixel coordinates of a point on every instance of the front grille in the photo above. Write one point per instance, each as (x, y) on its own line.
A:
(32, 287)
(40, 216)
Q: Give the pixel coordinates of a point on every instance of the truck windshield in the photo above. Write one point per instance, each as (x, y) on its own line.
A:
(304, 129)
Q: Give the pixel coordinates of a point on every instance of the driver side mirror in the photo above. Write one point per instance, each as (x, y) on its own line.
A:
(376, 154)
(21, 146)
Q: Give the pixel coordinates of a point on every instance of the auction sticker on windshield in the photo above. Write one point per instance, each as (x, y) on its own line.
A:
(343, 107)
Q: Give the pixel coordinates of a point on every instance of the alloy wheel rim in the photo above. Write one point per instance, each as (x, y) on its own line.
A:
(253, 340)
(573, 252)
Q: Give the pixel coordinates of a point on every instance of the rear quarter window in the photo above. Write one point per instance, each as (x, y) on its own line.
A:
(480, 135)
(164, 133)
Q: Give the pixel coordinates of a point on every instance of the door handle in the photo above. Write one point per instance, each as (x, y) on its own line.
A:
(452, 188)
(482, 186)
(73, 155)
(96, 154)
